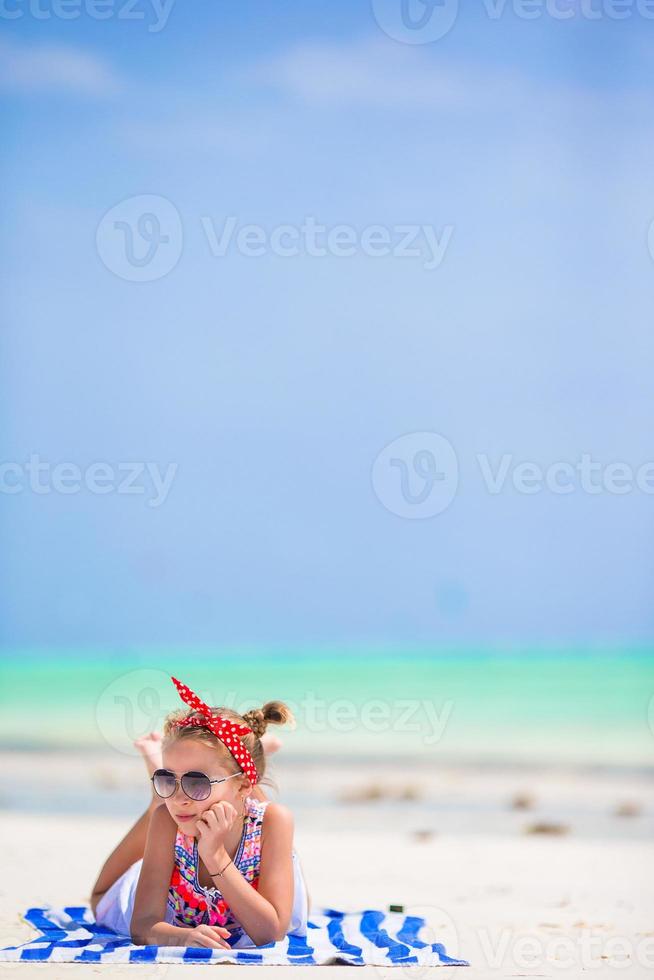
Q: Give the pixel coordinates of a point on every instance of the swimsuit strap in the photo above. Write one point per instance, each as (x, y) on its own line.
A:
(248, 855)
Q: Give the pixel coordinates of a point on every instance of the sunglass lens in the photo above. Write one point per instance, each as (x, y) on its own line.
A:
(164, 783)
(196, 785)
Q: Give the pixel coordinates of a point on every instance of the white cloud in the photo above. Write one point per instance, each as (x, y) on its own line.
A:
(381, 73)
(55, 68)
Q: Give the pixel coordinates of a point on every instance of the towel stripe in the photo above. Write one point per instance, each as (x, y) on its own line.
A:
(71, 935)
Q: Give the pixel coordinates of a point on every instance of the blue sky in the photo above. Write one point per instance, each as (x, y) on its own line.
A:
(271, 383)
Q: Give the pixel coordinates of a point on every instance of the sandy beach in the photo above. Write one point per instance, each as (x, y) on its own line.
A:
(523, 874)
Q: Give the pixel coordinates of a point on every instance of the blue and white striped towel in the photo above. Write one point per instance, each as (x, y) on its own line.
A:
(71, 935)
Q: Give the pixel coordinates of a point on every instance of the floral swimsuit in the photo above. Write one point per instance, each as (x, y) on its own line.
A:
(189, 902)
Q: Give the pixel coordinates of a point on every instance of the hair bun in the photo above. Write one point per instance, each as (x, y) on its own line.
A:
(255, 720)
(272, 713)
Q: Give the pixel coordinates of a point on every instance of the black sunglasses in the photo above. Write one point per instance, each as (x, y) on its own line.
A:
(196, 785)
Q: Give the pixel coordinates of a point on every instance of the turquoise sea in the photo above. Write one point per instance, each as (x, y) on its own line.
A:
(579, 707)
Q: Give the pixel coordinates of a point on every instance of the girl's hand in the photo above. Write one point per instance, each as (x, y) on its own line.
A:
(213, 827)
(205, 935)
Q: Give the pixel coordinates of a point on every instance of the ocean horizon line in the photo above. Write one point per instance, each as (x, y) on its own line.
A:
(331, 651)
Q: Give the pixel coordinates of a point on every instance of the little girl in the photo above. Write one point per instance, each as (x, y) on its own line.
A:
(193, 871)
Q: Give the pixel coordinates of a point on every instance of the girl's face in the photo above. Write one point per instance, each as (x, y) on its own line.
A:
(191, 756)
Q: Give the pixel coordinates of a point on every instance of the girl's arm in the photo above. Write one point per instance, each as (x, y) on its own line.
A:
(148, 925)
(264, 913)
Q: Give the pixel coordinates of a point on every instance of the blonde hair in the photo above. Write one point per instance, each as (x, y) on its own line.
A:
(258, 719)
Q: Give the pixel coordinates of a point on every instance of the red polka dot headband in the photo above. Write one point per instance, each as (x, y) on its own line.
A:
(229, 732)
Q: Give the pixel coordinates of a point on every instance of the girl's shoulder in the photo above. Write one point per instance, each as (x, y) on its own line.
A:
(276, 835)
(161, 821)
(276, 817)
(268, 810)
(268, 816)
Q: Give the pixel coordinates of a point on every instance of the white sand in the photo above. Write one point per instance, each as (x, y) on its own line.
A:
(482, 894)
